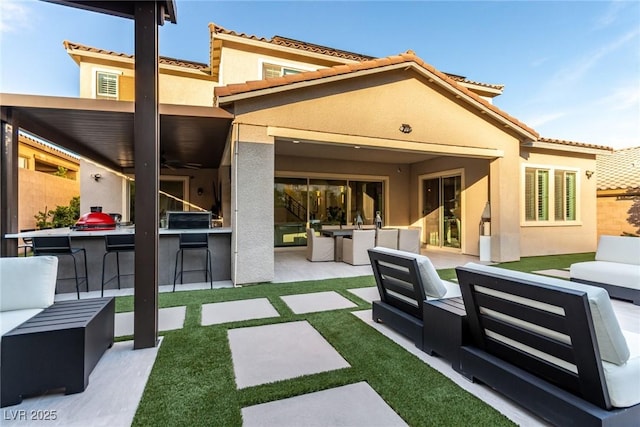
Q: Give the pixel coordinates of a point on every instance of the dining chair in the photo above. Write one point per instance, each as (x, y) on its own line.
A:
(354, 249)
(409, 239)
(387, 238)
(319, 248)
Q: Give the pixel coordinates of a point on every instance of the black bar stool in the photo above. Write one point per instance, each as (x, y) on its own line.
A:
(61, 245)
(116, 243)
(27, 242)
(190, 241)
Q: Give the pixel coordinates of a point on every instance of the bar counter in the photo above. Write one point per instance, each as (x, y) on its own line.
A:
(93, 242)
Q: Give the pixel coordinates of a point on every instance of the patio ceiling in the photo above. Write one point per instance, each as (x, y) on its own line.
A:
(102, 130)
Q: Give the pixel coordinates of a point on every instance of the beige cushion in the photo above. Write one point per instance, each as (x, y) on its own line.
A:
(27, 283)
(387, 238)
(621, 249)
(431, 282)
(622, 380)
(612, 344)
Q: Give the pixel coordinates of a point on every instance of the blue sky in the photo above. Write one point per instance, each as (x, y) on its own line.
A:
(571, 70)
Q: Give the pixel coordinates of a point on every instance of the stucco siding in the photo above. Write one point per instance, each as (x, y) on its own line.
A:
(556, 237)
(252, 198)
(41, 192)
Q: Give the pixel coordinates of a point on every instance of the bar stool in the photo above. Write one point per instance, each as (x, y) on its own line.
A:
(27, 242)
(116, 243)
(190, 241)
(61, 245)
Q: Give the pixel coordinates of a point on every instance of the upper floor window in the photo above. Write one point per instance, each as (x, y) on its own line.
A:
(106, 85)
(550, 194)
(272, 70)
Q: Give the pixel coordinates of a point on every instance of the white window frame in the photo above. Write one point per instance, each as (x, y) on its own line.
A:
(290, 65)
(94, 82)
(551, 221)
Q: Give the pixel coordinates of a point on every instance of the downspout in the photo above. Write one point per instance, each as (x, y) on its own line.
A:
(234, 165)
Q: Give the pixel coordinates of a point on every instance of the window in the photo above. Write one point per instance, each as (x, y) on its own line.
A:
(106, 85)
(565, 195)
(271, 70)
(550, 194)
(23, 162)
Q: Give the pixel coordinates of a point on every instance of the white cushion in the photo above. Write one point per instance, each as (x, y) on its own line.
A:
(431, 282)
(622, 380)
(13, 318)
(613, 273)
(27, 282)
(621, 249)
(612, 344)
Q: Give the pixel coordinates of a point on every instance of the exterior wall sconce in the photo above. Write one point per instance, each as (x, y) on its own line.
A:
(200, 191)
(405, 128)
(589, 174)
(96, 177)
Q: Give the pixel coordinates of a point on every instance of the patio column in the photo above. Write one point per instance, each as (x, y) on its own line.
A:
(252, 177)
(504, 195)
(8, 182)
(147, 158)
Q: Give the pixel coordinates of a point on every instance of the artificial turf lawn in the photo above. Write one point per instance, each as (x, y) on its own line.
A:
(192, 381)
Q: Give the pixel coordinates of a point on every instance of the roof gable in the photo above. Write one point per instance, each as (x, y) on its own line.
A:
(233, 92)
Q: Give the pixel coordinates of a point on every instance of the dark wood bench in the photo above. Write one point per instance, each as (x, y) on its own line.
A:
(535, 342)
(57, 348)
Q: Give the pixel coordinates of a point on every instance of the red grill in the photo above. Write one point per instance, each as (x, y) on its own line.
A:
(95, 221)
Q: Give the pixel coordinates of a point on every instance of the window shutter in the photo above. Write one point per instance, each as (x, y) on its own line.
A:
(570, 188)
(529, 195)
(543, 195)
(107, 85)
(559, 195)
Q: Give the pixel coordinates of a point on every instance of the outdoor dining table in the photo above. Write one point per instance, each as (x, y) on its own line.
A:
(337, 235)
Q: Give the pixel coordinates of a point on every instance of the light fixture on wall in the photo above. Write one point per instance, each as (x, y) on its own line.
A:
(96, 177)
(200, 191)
(589, 173)
(405, 128)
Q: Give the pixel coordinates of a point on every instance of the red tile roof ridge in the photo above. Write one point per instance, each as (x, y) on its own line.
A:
(238, 88)
(292, 43)
(162, 59)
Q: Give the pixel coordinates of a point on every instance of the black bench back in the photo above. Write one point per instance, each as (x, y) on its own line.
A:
(496, 308)
(399, 282)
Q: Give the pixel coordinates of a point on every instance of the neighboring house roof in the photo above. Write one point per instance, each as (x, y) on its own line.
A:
(574, 144)
(324, 50)
(258, 87)
(619, 170)
(71, 46)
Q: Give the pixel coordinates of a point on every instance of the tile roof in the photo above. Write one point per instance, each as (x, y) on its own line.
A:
(344, 69)
(573, 143)
(295, 44)
(619, 170)
(324, 50)
(163, 59)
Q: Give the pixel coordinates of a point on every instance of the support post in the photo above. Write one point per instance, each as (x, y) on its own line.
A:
(8, 183)
(147, 163)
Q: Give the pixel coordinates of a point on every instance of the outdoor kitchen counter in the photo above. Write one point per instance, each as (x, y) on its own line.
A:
(93, 242)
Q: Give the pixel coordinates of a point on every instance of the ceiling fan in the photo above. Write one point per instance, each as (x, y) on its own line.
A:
(176, 164)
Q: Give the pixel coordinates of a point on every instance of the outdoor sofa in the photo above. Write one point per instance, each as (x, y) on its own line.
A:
(405, 280)
(616, 268)
(551, 345)
(27, 286)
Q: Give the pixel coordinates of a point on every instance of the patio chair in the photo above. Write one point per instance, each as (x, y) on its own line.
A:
(319, 248)
(553, 346)
(409, 239)
(387, 238)
(354, 249)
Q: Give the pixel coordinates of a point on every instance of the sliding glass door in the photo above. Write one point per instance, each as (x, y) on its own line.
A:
(442, 211)
(318, 202)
